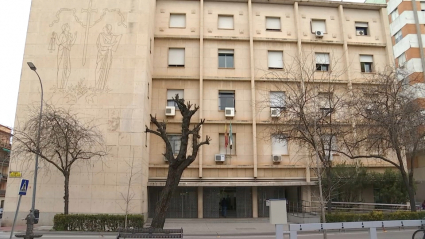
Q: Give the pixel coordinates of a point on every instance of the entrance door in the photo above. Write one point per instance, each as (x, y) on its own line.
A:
(211, 202)
(243, 202)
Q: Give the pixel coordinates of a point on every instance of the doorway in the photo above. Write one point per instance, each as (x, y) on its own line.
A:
(238, 201)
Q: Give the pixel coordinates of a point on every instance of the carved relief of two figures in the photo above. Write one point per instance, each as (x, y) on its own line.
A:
(106, 44)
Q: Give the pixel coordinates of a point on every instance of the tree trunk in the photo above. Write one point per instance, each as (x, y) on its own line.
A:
(408, 181)
(66, 196)
(173, 179)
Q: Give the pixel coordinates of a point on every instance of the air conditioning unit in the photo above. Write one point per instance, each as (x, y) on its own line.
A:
(229, 112)
(319, 34)
(274, 112)
(170, 110)
(276, 158)
(360, 33)
(220, 158)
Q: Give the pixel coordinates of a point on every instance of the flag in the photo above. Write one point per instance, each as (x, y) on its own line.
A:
(230, 136)
(226, 136)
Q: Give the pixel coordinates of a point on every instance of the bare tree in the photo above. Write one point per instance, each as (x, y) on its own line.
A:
(128, 196)
(177, 164)
(389, 123)
(65, 141)
(312, 111)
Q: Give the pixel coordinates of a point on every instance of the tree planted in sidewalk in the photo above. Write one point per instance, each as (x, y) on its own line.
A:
(177, 163)
(65, 141)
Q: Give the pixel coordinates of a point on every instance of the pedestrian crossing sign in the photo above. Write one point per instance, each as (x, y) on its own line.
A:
(23, 187)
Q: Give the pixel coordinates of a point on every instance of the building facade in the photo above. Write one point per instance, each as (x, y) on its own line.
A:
(407, 20)
(128, 59)
(5, 146)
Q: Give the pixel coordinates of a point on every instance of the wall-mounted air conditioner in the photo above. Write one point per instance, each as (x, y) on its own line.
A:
(274, 112)
(220, 157)
(229, 112)
(170, 110)
(319, 34)
(277, 158)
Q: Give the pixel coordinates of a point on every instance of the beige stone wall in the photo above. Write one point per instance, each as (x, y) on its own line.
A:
(118, 107)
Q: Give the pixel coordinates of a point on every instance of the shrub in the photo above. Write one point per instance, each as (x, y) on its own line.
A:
(95, 222)
(374, 216)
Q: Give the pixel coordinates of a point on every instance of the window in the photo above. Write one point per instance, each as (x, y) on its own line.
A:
(329, 144)
(225, 22)
(175, 141)
(172, 94)
(422, 6)
(325, 103)
(322, 61)
(277, 99)
(176, 57)
(279, 145)
(398, 36)
(273, 23)
(226, 99)
(275, 60)
(228, 150)
(318, 25)
(177, 20)
(401, 60)
(366, 63)
(225, 58)
(394, 14)
(362, 28)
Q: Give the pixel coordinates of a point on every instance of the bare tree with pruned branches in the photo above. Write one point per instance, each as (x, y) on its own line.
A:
(65, 141)
(389, 123)
(178, 163)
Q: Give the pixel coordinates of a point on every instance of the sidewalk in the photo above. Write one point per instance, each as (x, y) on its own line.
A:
(192, 227)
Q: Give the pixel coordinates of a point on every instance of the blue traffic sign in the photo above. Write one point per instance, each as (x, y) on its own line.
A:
(23, 187)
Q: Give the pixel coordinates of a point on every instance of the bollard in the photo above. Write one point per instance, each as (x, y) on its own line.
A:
(372, 233)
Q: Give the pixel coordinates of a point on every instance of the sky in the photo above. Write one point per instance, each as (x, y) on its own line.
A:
(14, 16)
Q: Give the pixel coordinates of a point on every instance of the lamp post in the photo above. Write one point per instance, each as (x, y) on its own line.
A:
(29, 234)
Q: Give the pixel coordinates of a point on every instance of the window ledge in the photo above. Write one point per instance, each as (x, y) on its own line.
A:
(274, 30)
(177, 27)
(175, 66)
(232, 68)
(275, 68)
(225, 28)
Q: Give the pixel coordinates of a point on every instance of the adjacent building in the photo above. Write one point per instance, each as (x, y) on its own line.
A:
(5, 146)
(119, 61)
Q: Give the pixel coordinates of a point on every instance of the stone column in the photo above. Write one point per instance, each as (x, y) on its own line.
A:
(254, 202)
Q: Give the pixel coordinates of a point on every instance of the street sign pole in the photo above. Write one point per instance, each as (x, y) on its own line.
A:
(22, 191)
(16, 215)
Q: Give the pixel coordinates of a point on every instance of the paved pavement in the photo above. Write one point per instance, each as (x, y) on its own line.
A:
(217, 228)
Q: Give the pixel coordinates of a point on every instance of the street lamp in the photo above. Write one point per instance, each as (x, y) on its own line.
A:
(29, 234)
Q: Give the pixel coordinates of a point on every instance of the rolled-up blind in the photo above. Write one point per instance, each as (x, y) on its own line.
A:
(362, 24)
(176, 57)
(273, 23)
(172, 93)
(225, 22)
(177, 20)
(366, 58)
(322, 58)
(318, 25)
(276, 59)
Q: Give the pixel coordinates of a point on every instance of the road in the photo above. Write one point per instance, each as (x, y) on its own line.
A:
(405, 234)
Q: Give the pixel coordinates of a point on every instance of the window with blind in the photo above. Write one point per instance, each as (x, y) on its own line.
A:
(273, 23)
(225, 22)
(366, 63)
(322, 61)
(398, 36)
(318, 25)
(362, 28)
(176, 57)
(175, 141)
(275, 59)
(277, 99)
(279, 145)
(177, 20)
(325, 100)
(401, 60)
(226, 98)
(172, 94)
(225, 58)
(422, 6)
(394, 14)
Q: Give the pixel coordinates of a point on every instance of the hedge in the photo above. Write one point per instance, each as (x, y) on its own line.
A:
(374, 216)
(95, 222)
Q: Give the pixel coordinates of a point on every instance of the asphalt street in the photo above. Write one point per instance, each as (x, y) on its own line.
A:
(404, 234)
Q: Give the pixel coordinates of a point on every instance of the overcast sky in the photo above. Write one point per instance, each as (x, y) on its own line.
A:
(13, 27)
